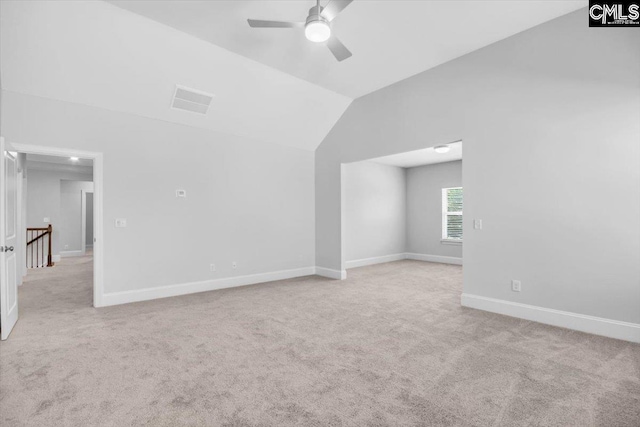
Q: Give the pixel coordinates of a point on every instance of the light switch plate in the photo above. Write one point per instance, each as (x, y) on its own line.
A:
(477, 224)
(181, 193)
(121, 222)
(46, 220)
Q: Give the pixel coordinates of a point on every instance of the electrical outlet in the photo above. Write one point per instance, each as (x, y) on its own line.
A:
(47, 220)
(181, 193)
(212, 267)
(234, 264)
(121, 222)
(516, 285)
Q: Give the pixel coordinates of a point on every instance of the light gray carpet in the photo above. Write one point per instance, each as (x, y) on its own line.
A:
(389, 346)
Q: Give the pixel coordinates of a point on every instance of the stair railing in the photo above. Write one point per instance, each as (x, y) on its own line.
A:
(39, 247)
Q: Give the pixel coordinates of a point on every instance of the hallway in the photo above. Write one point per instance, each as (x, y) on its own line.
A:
(53, 299)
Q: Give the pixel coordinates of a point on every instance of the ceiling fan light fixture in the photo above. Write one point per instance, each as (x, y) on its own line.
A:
(317, 26)
(441, 149)
(317, 31)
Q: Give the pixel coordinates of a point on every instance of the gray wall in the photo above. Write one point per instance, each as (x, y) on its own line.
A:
(424, 208)
(549, 120)
(44, 200)
(247, 201)
(71, 213)
(375, 210)
(89, 220)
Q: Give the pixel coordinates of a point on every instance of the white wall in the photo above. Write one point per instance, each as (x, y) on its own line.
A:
(549, 118)
(424, 208)
(71, 214)
(44, 201)
(375, 210)
(249, 202)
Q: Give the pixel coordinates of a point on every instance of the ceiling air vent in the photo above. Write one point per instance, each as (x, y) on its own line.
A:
(192, 100)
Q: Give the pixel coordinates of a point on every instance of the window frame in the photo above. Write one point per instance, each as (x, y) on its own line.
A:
(445, 214)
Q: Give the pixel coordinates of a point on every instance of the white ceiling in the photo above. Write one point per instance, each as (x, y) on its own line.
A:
(58, 164)
(390, 40)
(97, 54)
(59, 160)
(427, 156)
(270, 86)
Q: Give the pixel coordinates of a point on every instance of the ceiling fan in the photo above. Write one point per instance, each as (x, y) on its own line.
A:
(317, 27)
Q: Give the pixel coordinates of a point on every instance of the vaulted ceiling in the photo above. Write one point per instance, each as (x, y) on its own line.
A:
(97, 54)
(270, 85)
(390, 39)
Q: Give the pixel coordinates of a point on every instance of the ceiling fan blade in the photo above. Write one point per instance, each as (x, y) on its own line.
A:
(339, 50)
(257, 23)
(334, 7)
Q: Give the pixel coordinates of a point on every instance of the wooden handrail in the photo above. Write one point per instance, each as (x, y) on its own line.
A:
(40, 236)
(48, 231)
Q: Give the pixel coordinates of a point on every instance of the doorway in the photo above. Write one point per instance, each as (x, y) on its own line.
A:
(403, 206)
(67, 231)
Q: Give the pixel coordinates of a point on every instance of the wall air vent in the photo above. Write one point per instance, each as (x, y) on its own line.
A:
(192, 100)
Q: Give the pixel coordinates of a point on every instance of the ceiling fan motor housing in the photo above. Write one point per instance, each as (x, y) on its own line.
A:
(315, 15)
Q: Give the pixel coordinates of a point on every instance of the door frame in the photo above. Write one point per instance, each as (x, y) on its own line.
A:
(83, 210)
(98, 206)
(22, 237)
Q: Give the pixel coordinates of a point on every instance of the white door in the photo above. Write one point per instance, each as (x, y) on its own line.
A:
(8, 241)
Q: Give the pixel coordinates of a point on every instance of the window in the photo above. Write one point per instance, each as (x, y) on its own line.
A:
(452, 214)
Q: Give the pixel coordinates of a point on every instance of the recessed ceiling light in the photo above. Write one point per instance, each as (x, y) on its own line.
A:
(442, 149)
(74, 159)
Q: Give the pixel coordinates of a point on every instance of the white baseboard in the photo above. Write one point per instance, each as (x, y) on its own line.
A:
(397, 257)
(56, 258)
(564, 319)
(434, 258)
(375, 260)
(115, 298)
(124, 297)
(332, 274)
(66, 254)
